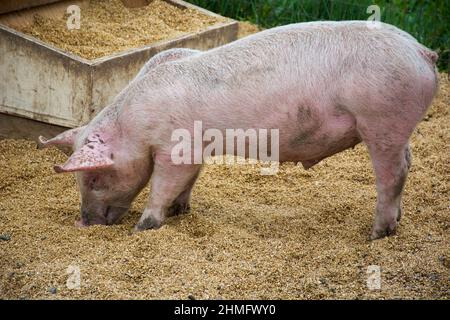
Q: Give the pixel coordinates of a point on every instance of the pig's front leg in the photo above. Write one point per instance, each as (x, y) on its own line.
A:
(168, 182)
(182, 203)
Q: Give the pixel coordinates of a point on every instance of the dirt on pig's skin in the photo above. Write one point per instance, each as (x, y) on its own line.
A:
(299, 234)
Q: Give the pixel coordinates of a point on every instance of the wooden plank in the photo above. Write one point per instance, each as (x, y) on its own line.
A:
(15, 5)
(18, 19)
(44, 83)
(14, 127)
(39, 82)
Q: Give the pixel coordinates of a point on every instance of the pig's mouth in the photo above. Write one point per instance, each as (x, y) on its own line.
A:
(109, 216)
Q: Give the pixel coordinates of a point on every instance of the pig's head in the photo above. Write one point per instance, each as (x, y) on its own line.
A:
(110, 173)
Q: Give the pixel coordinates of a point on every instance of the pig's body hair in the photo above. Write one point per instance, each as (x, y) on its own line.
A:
(339, 72)
(326, 86)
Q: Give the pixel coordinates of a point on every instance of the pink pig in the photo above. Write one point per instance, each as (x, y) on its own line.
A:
(326, 86)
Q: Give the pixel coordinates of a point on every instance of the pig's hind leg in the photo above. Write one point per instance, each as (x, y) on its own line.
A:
(391, 160)
(391, 169)
(168, 182)
(386, 124)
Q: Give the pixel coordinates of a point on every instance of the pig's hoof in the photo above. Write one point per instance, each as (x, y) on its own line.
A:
(147, 223)
(381, 232)
(177, 209)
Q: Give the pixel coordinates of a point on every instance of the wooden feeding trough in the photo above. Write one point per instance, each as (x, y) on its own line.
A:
(45, 83)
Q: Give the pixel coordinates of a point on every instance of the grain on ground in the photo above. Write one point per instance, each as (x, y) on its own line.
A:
(298, 234)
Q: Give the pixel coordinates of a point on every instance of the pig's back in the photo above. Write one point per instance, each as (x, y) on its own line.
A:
(268, 75)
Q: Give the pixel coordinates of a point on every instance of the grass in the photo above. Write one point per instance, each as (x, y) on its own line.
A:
(426, 20)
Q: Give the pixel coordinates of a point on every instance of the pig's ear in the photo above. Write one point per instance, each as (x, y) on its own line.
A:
(91, 156)
(64, 139)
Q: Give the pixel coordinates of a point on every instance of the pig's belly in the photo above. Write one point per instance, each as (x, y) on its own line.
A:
(306, 134)
(310, 143)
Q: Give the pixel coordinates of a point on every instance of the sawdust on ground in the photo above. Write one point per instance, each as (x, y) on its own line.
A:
(296, 235)
(108, 27)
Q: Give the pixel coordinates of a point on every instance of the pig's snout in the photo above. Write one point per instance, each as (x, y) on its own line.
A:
(109, 215)
(80, 223)
(83, 221)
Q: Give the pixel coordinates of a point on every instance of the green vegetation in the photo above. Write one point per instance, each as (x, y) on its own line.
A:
(427, 20)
